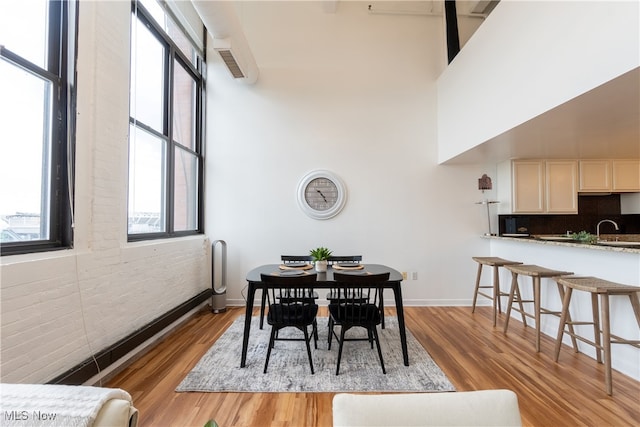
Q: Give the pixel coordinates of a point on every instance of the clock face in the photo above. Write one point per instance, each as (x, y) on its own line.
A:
(321, 194)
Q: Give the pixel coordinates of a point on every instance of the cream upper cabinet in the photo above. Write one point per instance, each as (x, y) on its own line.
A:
(561, 186)
(609, 175)
(539, 187)
(528, 186)
(626, 175)
(595, 175)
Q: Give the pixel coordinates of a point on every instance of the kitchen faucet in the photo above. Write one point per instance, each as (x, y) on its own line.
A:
(605, 220)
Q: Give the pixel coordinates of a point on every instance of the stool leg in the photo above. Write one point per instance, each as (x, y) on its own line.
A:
(563, 321)
(606, 332)
(475, 293)
(496, 294)
(635, 304)
(514, 286)
(569, 323)
(596, 326)
(536, 304)
(518, 298)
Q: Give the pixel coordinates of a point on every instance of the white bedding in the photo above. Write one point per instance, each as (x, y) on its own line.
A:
(27, 405)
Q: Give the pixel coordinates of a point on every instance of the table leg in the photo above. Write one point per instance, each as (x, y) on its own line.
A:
(262, 305)
(251, 293)
(382, 308)
(397, 293)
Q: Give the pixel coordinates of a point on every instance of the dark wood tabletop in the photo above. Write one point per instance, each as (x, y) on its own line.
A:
(325, 280)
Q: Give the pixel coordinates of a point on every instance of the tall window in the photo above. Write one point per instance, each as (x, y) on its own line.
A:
(165, 139)
(37, 40)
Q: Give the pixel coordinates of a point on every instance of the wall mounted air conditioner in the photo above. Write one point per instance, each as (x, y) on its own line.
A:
(223, 47)
(221, 21)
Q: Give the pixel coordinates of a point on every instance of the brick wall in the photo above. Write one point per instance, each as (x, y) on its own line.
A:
(59, 307)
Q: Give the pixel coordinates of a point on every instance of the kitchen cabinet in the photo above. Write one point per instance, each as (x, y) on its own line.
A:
(609, 176)
(538, 187)
(595, 176)
(626, 175)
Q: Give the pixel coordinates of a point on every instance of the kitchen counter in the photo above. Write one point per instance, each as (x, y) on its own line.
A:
(572, 243)
(616, 264)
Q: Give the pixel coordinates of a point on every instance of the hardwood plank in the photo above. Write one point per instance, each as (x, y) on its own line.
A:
(473, 354)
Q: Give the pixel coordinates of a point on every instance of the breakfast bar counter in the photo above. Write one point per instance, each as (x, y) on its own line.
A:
(625, 243)
(612, 263)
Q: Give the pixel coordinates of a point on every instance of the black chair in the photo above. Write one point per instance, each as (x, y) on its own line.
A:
(349, 259)
(288, 260)
(296, 312)
(348, 311)
(342, 260)
(296, 259)
(355, 260)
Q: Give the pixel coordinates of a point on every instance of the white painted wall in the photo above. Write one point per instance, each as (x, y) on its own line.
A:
(58, 307)
(353, 93)
(527, 58)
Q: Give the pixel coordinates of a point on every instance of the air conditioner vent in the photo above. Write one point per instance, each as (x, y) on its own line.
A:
(232, 65)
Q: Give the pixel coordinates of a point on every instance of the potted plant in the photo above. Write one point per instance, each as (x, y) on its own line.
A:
(320, 256)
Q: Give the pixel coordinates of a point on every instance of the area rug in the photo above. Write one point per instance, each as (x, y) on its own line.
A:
(219, 369)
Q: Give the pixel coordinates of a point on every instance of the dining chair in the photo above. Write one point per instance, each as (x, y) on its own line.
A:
(353, 259)
(346, 261)
(296, 311)
(290, 261)
(356, 306)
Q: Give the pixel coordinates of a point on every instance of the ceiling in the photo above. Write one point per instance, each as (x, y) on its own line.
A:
(602, 123)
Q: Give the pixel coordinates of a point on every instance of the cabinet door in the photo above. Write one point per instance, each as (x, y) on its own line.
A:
(561, 187)
(595, 175)
(626, 175)
(528, 186)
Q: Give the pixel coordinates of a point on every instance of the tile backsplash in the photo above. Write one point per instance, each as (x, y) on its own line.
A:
(591, 210)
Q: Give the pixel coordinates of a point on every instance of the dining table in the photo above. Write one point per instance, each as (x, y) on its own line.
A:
(325, 280)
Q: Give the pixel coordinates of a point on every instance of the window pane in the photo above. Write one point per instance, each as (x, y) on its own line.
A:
(171, 28)
(147, 77)
(186, 191)
(25, 108)
(23, 29)
(146, 182)
(184, 89)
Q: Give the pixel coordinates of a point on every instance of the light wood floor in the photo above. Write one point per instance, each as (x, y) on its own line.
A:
(472, 353)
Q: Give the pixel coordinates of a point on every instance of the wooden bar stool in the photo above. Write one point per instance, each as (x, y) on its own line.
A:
(605, 289)
(496, 293)
(536, 273)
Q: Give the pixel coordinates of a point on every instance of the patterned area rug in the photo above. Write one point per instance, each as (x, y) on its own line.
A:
(219, 369)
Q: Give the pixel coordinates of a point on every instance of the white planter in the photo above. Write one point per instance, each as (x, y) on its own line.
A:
(321, 266)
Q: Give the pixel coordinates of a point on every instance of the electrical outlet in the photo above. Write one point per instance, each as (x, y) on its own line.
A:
(404, 275)
(414, 275)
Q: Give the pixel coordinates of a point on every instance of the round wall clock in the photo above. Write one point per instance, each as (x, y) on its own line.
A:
(321, 194)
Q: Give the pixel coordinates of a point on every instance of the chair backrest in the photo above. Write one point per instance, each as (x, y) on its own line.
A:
(290, 259)
(357, 297)
(354, 259)
(288, 297)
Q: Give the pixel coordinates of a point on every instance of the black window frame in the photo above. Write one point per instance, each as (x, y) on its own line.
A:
(61, 59)
(197, 72)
